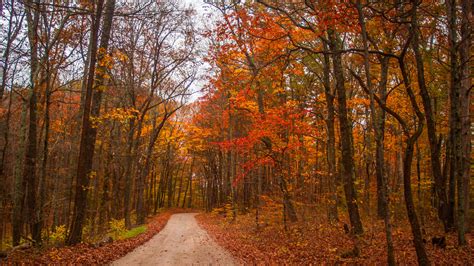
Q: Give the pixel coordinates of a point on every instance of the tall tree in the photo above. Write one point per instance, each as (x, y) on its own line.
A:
(459, 102)
(29, 173)
(345, 134)
(95, 85)
(439, 184)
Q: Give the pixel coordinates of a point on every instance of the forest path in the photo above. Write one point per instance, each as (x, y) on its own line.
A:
(181, 242)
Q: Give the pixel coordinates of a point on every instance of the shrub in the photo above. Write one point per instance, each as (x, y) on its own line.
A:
(117, 228)
(58, 235)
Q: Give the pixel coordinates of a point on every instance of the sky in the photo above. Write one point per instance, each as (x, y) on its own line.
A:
(199, 5)
(204, 20)
(205, 14)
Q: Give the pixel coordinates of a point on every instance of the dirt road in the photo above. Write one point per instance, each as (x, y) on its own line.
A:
(181, 242)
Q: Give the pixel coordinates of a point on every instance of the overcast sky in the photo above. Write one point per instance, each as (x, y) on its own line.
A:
(204, 20)
(207, 14)
(198, 4)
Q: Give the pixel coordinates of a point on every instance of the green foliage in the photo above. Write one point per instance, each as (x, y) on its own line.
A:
(134, 232)
(119, 231)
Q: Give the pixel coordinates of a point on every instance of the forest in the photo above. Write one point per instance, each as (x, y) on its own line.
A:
(342, 127)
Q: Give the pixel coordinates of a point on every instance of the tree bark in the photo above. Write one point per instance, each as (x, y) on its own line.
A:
(465, 54)
(368, 80)
(127, 174)
(331, 137)
(345, 129)
(146, 168)
(459, 96)
(29, 171)
(439, 183)
(408, 158)
(91, 110)
(18, 187)
(380, 162)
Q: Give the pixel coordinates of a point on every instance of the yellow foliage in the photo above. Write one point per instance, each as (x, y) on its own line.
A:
(59, 234)
(117, 228)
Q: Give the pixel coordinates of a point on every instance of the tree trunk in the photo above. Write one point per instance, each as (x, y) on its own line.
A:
(190, 201)
(3, 191)
(82, 176)
(331, 138)
(18, 188)
(91, 109)
(368, 81)
(439, 183)
(146, 168)
(127, 174)
(44, 163)
(29, 171)
(410, 206)
(408, 158)
(380, 162)
(346, 137)
(457, 103)
(181, 178)
(466, 85)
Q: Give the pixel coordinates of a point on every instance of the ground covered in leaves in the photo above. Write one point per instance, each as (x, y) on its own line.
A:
(316, 241)
(87, 253)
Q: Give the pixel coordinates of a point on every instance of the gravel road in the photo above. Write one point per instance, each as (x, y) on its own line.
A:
(181, 242)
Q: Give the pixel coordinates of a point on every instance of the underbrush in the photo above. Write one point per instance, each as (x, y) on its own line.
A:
(118, 231)
(88, 253)
(134, 232)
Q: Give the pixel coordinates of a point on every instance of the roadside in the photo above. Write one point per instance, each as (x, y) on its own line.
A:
(315, 241)
(86, 253)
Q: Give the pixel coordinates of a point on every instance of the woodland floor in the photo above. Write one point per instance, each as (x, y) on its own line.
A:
(88, 254)
(317, 242)
(309, 241)
(172, 238)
